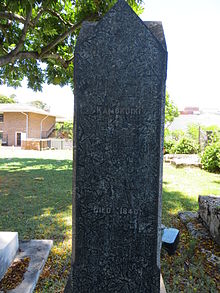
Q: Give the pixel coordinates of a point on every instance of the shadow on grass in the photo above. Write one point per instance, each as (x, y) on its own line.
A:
(175, 201)
(216, 181)
(35, 198)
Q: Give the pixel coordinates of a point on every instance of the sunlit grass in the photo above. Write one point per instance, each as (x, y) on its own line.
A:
(188, 270)
(35, 200)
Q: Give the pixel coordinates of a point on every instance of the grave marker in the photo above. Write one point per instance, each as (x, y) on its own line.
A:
(120, 73)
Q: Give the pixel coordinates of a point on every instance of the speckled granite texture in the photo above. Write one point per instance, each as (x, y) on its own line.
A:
(120, 73)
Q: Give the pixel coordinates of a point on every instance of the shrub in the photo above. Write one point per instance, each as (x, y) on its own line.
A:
(168, 146)
(64, 130)
(177, 134)
(211, 158)
(193, 131)
(185, 146)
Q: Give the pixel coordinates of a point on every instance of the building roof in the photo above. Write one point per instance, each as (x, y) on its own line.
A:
(24, 108)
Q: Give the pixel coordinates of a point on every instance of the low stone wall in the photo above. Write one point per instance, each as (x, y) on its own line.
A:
(36, 145)
(209, 212)
(183, 160)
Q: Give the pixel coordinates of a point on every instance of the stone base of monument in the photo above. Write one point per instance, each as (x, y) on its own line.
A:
(68, 288)
(8, 250)
(37, 251)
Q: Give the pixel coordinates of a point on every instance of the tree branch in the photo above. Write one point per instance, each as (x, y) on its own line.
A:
(5, 50)
(11, 57)
(35, 55)
(16, 54)
(4, 60)
(57, 57)
(3, 29)
(54, 13)
(4, 26)
(12, 16)
(60, 38)
(41, 11)
(23, 34)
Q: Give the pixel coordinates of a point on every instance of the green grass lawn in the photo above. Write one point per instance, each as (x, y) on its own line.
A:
(188, 270)
(35, 200)
(181, 188)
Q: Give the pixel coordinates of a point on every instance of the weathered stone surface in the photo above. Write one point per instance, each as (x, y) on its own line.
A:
(37, 251)
(212, 258)
(187, 216)
(183, 160)
(194, 225)
(8, 250)
(120, 72)
(209, 212)
(197, 230)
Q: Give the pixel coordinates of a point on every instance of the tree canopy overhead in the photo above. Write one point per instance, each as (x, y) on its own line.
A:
(37, 38)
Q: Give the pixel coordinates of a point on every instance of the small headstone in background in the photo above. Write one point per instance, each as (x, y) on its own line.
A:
(170, 240)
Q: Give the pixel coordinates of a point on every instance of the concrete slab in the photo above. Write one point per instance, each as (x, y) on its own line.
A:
(37, 251)
(8, 250)
(162, 286)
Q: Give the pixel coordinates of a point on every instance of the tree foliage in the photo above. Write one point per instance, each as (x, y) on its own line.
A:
(211, 158)
(40, 105)
(7, 100)
(33, 32)
(64, 130)
(171, 110)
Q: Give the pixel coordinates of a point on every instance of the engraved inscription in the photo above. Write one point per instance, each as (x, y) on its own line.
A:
(127, 211)
(102, 210)
(119, 110)
(122, 211)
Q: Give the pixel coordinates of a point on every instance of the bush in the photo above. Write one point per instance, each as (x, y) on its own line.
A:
(185, 146)
(193, 131)
(211, 158)
(177, 134)
(168, 146)
(64, 130)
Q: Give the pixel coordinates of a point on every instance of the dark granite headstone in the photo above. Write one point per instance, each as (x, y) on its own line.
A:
(120, 73)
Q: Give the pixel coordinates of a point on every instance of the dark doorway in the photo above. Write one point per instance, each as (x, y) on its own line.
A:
(18, 139)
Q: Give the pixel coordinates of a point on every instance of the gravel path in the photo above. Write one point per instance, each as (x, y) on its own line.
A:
(17, 152)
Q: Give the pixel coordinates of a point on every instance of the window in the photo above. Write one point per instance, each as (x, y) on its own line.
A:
(1, 135)
(1, 117)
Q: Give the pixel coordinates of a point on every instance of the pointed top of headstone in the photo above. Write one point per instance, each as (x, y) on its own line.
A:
(113, 17)
(155, 27)
(157, 30)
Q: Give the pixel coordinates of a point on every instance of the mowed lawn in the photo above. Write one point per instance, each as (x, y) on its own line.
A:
(182, 187)
(35, 200)
(190, 269)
